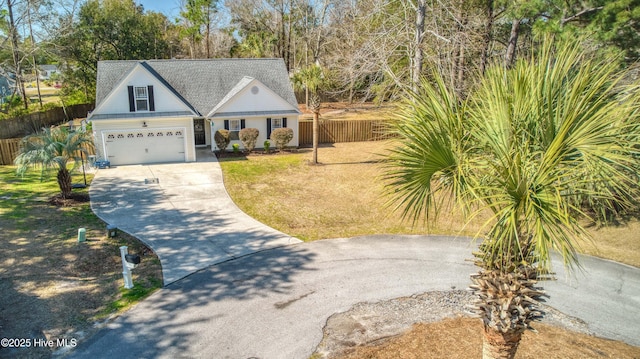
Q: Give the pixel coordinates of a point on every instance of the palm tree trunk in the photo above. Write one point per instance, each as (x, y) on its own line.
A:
(315, 137)
(315, 107)
(498, 345)
(64, 182)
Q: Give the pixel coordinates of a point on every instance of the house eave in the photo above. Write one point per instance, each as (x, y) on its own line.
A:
(254, 113)
(135, 115)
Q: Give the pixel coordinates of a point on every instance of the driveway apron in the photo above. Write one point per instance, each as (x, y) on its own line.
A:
(183, 212)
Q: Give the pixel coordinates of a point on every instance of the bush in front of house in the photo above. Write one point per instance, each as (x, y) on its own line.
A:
(282, 136)
(249, 136)
(222, 139)
(267, 146)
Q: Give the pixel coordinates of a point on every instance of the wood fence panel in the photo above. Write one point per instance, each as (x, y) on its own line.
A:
(9, 150)
(32, 123)
(344, 131)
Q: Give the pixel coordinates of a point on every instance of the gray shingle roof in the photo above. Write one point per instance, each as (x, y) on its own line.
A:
(201, 83)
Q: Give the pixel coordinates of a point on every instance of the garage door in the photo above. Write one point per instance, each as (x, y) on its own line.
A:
(145, 146)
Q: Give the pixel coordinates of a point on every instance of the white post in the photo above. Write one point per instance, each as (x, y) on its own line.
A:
(126, 272)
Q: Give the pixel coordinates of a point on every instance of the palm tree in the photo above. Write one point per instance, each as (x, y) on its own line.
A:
(311, 79)
(54, 148)
(528, 146)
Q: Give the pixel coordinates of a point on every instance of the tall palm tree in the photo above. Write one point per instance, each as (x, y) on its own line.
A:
(528, 146)
(311, 79)
(54, 148)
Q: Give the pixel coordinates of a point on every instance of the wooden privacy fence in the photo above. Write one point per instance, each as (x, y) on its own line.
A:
(9, 150)
(331, 131)
(33, 122)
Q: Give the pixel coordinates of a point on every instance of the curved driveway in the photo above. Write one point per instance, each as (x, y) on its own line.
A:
(274, 304)
(269, 295)
(183, 212)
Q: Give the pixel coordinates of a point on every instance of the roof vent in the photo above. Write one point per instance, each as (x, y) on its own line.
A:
(255, 90)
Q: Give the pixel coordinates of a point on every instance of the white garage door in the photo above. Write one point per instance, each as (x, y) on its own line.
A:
(145, 146)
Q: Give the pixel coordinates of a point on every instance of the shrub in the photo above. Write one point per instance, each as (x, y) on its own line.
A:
(267, 146)
(249, 136)
(282, 136)
(236, 148)
(222, 139)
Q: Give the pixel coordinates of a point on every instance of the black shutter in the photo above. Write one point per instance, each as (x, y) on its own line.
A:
(226, 125)
(242, 123)
(284, 122)
(132, 100)
(152, 105)
(268, 128)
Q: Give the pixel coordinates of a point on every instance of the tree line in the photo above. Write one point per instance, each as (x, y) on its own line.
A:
(368, 49)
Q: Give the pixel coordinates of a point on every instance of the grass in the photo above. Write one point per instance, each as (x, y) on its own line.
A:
(357, 111)
(52, 286)
(48, 94)
(128, 297)
(344, 197)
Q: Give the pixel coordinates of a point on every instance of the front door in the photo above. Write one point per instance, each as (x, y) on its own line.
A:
(198, 132)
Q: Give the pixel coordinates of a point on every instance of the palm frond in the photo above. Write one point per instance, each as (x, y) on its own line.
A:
(427, 157)
(534, 144)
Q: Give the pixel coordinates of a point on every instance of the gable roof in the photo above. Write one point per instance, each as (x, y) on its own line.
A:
(201, 83)
(234, 91)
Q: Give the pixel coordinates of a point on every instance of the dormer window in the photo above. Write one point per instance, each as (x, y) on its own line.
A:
(141, 99)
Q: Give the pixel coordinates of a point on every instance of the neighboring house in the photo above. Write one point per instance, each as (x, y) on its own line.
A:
(46, 71)
(162, 110)
(7, 85)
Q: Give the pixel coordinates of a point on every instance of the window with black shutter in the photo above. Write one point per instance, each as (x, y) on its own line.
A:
(141, 98)
(234, 129)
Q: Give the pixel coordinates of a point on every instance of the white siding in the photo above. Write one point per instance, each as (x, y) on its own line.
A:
(262, 100)
(118, 99)
(261, 124)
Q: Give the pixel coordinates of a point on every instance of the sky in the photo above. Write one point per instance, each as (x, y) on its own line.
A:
(171, 8)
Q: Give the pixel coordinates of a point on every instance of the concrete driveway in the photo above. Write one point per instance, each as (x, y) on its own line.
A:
(274, 304)
(183, 212)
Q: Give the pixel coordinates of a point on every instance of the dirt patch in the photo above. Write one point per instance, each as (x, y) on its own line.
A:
(74, 199)
(53, 287)
(432, 325)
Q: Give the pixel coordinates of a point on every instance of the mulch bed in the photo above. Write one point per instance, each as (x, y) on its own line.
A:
(74, 199)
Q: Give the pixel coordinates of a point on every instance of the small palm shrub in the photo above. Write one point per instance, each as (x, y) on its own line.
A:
(249, 136)
(222, 139)
(282, 136)
(267, 146)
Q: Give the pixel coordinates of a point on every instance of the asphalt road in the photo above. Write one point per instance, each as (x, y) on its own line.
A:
(274, 303)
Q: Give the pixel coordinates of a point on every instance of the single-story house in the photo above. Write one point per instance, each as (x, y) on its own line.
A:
(162, 110)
